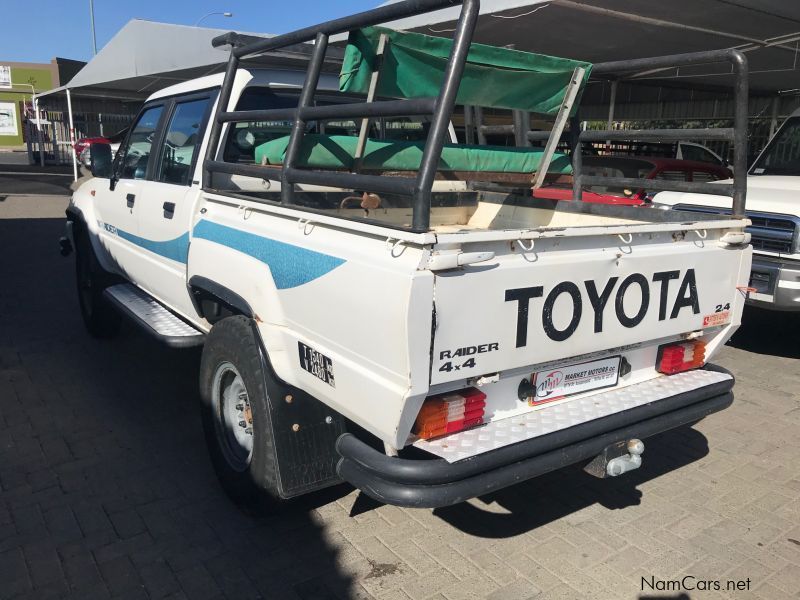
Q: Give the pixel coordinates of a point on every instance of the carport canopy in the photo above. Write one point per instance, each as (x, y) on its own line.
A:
(768, 31)
(145, 56)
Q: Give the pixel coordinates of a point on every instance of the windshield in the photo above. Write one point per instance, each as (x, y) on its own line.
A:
(782, 156)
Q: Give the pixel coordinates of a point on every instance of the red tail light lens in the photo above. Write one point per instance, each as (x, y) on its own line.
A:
(450, 412)
(676, 358)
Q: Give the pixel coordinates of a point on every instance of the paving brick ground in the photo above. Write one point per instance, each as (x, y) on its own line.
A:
(106, 489)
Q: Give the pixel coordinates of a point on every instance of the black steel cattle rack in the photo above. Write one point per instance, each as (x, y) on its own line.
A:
(440, 108)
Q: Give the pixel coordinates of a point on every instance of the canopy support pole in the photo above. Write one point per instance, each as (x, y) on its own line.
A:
(72, 137)
(469, 132)
(773, 124)
(558, 127)
(612, 103)
(39, 129)
(373, 86)
(576, 153)
(522, 125)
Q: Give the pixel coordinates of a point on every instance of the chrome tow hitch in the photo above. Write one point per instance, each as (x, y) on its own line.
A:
(617, 459)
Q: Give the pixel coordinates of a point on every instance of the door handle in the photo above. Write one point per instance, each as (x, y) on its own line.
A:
(130, 199)
(169, 209)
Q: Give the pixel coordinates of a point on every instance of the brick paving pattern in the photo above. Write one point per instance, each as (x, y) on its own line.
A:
(106, 490)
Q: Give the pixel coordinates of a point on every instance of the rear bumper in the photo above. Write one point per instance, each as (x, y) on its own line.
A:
(435, 483)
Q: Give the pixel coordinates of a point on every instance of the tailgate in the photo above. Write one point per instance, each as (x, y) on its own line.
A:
(572, 296)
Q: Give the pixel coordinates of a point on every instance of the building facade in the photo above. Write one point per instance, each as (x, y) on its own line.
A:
(18, 81)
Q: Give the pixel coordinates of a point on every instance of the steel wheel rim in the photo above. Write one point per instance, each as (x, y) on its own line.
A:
(233, 416)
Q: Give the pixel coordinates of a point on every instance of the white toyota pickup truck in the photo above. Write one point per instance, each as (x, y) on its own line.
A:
(773, 187)
(389, 309)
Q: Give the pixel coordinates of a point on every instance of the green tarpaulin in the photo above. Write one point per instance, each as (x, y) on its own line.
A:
(336, 152)
(413, 67)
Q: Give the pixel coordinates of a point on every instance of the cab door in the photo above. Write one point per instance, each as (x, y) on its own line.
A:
(117, 200)
(167, 199)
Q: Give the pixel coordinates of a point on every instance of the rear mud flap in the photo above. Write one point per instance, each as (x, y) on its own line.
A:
(305, 432)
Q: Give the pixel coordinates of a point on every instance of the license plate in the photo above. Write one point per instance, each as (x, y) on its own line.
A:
(556, 383)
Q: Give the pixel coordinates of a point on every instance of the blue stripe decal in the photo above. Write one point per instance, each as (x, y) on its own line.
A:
(177, 249)
(290, 265)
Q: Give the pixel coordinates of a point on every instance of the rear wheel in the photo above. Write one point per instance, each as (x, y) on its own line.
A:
(237, 415)
(100, 318)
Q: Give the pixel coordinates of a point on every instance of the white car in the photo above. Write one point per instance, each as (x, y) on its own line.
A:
(773, 188)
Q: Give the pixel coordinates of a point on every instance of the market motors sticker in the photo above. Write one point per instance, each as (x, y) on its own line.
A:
(720, 318)
(555, 383)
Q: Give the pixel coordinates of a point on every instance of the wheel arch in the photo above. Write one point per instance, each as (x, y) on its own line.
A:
(213, 301)
(78, 223)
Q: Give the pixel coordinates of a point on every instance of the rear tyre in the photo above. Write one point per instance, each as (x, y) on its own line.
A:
(101, 319)
(237, 416)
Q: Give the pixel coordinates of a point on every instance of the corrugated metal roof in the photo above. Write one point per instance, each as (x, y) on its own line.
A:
(768, 31)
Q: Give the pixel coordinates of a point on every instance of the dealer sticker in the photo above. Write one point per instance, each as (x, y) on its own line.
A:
(720, 318)
(556, 383)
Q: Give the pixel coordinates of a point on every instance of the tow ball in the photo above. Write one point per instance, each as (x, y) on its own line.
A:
(616, 459)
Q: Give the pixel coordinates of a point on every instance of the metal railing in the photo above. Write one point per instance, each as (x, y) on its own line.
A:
(736, 134)
(439, 108)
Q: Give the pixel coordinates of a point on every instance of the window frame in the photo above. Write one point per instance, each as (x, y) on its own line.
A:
(171, 104)
(160, 102)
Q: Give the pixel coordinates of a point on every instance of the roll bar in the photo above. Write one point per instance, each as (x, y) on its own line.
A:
(441, 109)
(737, 134)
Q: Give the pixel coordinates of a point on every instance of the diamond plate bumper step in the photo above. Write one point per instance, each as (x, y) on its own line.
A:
(548, 419)
(556, 440)
(153, 317)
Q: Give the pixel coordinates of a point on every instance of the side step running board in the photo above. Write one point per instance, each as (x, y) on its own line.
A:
(153, 317)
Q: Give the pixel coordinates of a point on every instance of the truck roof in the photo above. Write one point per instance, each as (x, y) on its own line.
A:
(266, 77)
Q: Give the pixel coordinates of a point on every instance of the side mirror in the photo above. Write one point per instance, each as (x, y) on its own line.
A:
(101, 161)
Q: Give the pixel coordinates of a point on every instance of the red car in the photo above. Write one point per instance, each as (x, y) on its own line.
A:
(84, 143)
(670, 169)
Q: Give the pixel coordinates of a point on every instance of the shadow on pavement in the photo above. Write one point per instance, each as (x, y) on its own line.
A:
(106, 487)
(545, 499)
(26, 179)
(774, 333)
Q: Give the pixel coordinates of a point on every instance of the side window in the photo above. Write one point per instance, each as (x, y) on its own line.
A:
(133, 157)
(244, 138)
(182, 141)
(698, 153)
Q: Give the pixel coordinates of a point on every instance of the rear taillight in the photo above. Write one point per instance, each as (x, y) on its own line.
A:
(676, 358)
(450, 412)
